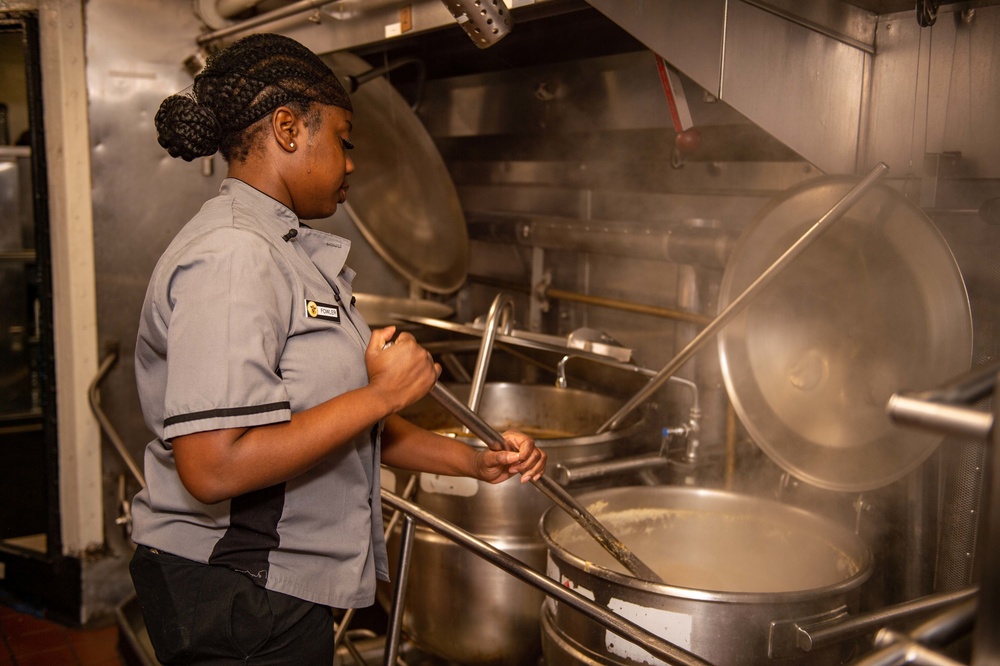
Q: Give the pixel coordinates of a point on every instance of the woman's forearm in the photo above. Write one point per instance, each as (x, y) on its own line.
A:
(217, 465)
(410, 447)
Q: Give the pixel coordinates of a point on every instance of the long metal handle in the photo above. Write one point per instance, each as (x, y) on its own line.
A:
(940, 418)
(553, 490)
(944, 409)
(734, 308)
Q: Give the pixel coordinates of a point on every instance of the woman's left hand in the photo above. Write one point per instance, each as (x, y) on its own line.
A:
(525, 458)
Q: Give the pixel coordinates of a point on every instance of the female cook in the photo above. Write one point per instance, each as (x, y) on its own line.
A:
(272, 402)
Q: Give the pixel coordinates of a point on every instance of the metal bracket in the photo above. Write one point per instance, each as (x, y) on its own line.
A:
(789, 638)
(541, 290)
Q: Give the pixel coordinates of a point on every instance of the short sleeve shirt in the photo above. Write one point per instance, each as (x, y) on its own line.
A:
(247, 319)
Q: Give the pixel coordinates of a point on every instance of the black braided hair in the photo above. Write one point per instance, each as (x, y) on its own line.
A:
(240, 85)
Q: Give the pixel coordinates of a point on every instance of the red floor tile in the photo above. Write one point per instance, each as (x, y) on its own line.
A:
(23, 624)
(60, 655)
(31, 637)
(26, 640)
(98, 646)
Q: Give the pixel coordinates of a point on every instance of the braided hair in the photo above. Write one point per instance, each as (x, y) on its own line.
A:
(239, 86)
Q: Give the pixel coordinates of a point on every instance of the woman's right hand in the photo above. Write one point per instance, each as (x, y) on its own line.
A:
(400, 370)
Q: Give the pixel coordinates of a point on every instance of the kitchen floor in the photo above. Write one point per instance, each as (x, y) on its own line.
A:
(32, 641)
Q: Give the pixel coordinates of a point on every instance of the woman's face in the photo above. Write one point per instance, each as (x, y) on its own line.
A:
(321, 182)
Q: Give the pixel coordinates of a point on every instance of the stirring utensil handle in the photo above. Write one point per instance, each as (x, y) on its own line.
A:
(559, 496)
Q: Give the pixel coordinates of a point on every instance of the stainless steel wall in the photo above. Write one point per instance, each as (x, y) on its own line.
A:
(587, 142)
(135, 53)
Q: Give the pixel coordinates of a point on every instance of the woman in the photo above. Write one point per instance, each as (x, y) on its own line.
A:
(271, 401)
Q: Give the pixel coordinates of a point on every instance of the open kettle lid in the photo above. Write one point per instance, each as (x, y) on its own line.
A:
(402, 197)
(876, 305)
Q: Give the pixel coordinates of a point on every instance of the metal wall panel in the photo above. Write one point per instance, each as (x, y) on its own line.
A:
(802, 86)
(688, 35)
(142, 196)
(935, 90)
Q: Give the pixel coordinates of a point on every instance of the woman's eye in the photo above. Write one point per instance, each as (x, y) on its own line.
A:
(347, 144)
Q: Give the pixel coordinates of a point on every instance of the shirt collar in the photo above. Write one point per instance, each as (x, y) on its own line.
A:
(328, 251)
(274, 211)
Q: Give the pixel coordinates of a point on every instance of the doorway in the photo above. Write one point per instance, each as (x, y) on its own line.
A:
(29, 521)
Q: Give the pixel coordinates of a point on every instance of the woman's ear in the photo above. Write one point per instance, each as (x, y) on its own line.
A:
(285, 128)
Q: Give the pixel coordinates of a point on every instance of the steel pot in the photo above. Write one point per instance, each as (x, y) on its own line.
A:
(735, 565)
(459, 607)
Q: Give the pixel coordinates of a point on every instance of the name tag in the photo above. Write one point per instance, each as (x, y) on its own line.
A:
(318, 310)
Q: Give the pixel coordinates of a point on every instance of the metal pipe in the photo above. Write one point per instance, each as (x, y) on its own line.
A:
(519, 338)
(19, 256)
(230, 8)
(946, 419)
(599, 301)
(629, 367)
(548, 486)
(399, 595)
(679, 245)
(734, 308)
(501, 314)
(95, 406)
(257, 21)
(354, 82)
(566, 475)
(614, 623)
(616, 304)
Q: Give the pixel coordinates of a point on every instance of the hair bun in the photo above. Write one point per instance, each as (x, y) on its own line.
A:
(187, 129)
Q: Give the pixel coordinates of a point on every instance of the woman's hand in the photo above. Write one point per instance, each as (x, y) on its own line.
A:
(400, 373)
(498, 466)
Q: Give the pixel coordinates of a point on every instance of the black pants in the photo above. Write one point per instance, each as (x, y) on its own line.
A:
(201, 614)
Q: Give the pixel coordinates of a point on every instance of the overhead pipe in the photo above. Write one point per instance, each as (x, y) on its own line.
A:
(486, 22)
(216, 13)
(680, 244)
(257, 21)
(356, 81)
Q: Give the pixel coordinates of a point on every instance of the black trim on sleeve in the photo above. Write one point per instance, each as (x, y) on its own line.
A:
(230, 411)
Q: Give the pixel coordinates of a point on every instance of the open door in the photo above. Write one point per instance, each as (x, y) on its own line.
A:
(29, 508)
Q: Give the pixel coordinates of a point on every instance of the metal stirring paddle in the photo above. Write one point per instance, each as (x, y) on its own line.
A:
(553, 490)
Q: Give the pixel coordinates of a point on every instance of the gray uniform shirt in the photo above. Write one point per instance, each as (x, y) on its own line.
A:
(241, 328)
